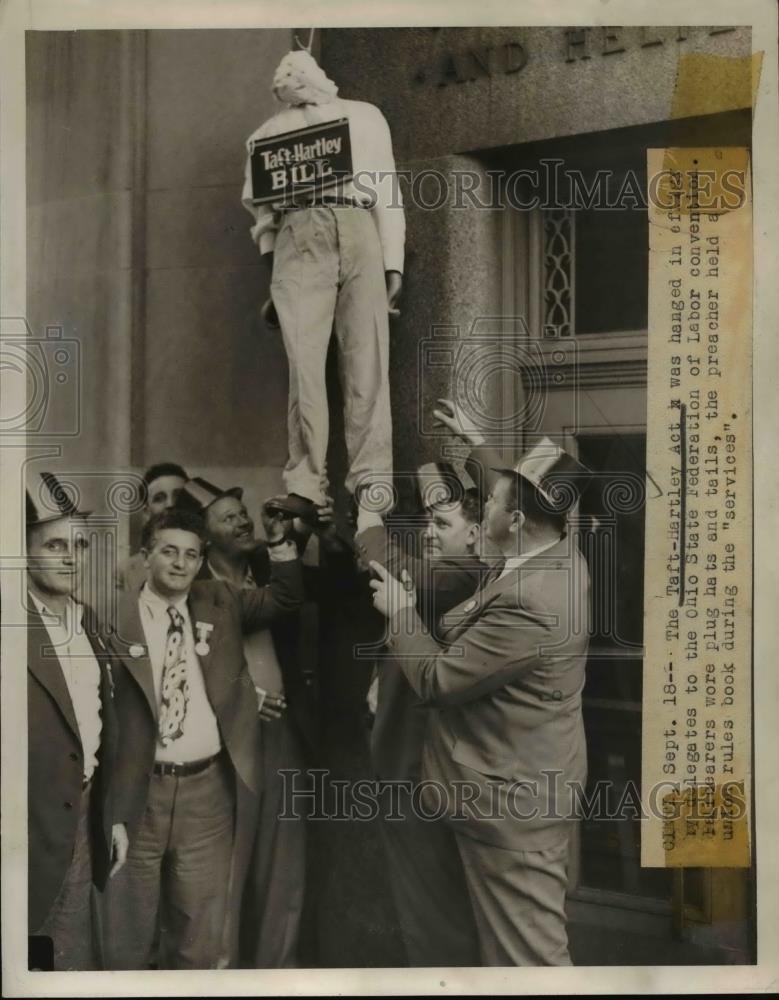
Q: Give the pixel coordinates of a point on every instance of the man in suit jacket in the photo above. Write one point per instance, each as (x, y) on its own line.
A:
(509, 729)
(73, 839)
(162, 486)
(426, 873)
(269, 914)
(196, 733)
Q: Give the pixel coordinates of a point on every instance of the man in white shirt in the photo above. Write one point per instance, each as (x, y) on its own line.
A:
(192, 720)
(336, 256)
(72, 736)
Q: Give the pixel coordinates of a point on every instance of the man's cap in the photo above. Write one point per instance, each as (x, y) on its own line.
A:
(440, 483)
(199, 494)
(557, 476)
(48, 500)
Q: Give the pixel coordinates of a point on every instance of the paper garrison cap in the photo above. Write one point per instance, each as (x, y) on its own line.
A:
(440, 484)
(199, 494)
(48, 500)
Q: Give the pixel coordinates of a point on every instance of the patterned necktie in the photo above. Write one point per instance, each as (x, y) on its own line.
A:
(175, 688)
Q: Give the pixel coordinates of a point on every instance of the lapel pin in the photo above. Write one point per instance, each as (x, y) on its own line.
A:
(136, 651)
(204, 630)
(470, 606)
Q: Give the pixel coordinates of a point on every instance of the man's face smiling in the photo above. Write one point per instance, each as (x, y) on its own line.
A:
(162, 494)
(173, 561)
(55, 552)
(448, 532)
(230, 529)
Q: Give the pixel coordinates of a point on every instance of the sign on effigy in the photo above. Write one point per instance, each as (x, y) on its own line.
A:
(304, 160)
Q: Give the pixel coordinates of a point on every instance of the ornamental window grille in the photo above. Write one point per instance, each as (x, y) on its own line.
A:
(559, 273)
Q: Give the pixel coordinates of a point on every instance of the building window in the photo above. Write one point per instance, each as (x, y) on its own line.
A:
(595, 265)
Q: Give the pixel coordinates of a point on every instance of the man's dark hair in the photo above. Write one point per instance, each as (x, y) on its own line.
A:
(524, 496)
(157, 472)
(472, 506)
(183, 520)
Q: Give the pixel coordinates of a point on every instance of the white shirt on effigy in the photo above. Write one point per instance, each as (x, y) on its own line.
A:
(373, 167)
(200, 737)
(82, 674)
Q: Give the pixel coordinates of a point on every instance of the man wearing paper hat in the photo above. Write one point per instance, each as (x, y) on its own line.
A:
(272, 900)
(335, 252)
(73, 839)
(507, 682)
(557, 477)
(426, 873)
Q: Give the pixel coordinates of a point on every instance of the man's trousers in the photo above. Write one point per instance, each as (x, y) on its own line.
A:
(431, 896)
(177, 873)
(70, 922)
(519, 901)
(272, 905)
(328, 268)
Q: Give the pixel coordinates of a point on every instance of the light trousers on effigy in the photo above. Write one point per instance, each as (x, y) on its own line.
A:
(328, 269)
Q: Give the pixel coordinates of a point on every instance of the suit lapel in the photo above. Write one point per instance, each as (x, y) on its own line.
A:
(101, 651)
(44, 665)
(491, 576)
(130, 643)
(204, 606)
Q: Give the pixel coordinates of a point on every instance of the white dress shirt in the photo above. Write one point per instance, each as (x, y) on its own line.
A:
(373, 163)
(200, 737)
(82, 674)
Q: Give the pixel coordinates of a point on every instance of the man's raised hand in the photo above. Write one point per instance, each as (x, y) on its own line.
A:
(458, 422)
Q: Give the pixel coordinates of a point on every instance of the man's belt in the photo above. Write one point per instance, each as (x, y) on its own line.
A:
(322, 202)
(173, 770)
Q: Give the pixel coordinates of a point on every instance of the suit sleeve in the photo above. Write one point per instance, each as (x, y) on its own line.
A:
(498, 648)
(283, 595)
